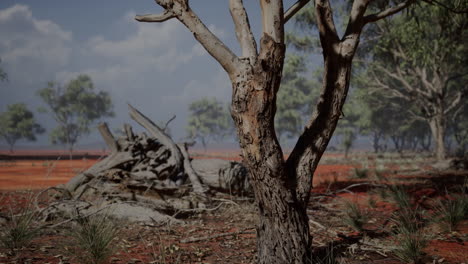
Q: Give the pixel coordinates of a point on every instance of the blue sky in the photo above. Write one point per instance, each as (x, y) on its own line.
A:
(159, 68)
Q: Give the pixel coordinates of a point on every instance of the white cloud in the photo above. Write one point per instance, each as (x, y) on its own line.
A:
(217, 86)
(28, 40)
(164, 46)
(159, 68)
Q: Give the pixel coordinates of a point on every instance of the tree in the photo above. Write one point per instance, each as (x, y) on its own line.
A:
(347, 126)
(295, 97)
(18, 123)
(208, 119)
(419, 59)
(281, 187)
(75, 108)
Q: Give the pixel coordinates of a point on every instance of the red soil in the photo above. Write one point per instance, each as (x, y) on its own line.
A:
(39, 174)
(35, 174)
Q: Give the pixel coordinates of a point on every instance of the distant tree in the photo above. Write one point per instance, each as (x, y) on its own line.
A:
(420, 58)
(18, 123)
(208, 119)
(296, 97)
(75, 108)
(3, 74)
(347, 128)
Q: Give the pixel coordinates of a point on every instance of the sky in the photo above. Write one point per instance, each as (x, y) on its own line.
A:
(157, 67)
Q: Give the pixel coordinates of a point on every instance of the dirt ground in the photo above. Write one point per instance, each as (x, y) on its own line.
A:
(226, 234)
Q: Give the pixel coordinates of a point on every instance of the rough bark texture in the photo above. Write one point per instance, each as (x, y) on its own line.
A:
(283, 231)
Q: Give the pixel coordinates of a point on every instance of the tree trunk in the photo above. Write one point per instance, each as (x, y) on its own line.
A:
(437, 124)
(283, 230)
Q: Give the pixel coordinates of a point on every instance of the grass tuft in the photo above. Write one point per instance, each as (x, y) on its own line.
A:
(450, 212)
(360, 173)
(354, 216)
(411, 246)
(327, 256)
(93, 238)
(20, 230)
(400, 197)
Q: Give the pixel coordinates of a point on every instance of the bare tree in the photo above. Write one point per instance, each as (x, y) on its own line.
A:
(282, 187)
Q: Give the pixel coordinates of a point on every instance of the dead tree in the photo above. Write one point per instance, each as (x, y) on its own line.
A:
(281, 187)
(150, 178)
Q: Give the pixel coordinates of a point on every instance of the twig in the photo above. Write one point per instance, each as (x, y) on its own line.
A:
(225, 200)
(168, 122)
(51, 168)
(317, 224)
(197, 239)
(357, 185)
(197, 210)
(36, 203)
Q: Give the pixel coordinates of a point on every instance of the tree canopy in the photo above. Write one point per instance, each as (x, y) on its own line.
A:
(75, 107)
(420, 58)
(18, 123)
(208, 119)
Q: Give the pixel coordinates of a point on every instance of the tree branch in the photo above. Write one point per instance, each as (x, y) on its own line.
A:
(455, 102)
(387, 12)
(272, 19)
(155, 18)
(451, 9)
(243, 32)
(168, 122)
(215, 47)
(326, 25)
(294, 9)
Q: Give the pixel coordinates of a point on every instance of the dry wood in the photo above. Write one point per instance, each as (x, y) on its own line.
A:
(198, 239)
(194, 178)
(108, 137)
